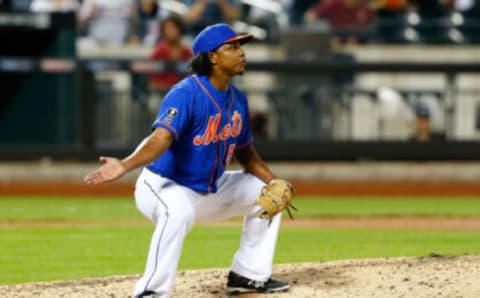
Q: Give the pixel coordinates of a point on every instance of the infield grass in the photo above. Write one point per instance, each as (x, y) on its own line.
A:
(38, 254)
(35, 253)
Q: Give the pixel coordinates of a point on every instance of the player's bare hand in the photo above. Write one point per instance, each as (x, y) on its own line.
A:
(111, 170)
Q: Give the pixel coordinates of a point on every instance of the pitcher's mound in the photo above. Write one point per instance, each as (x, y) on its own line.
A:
(432, 276)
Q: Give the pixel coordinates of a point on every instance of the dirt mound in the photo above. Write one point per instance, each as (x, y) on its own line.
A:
(432, 276)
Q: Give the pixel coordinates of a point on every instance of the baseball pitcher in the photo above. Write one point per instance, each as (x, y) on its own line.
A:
(202, 124)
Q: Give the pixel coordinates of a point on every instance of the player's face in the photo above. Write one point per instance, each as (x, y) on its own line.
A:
(230, 58)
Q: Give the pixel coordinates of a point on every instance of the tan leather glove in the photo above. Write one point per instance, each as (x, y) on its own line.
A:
(275, 197)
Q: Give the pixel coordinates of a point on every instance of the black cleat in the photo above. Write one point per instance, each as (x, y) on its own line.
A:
(147, 294)
(238, 284)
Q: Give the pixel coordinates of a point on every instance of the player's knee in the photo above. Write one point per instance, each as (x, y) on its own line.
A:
(182, 217)
(186, 215)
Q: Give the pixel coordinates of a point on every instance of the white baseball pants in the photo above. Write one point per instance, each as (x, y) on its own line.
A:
(174, 209)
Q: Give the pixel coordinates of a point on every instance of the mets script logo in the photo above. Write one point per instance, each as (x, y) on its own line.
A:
(213, 133)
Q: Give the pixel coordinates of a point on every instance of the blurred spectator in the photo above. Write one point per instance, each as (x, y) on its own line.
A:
(148, 8)
(54, 5)
(150, 14)
(298, 9)
(341, 14)
(388, 4)
(108, 22)
(347, 18)
(267, 19)
(422, 124)
(169, 48)
(202, 13)
(430, 119)
(147, 11)
(388, 8)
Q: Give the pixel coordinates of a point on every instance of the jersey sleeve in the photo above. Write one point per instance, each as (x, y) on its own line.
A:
(174, 114)
(246, 137)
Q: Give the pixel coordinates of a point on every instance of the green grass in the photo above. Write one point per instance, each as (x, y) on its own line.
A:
(379, 206)
(50, 253)
(89, 208)
(30, 254)
(34, 254)
(81, 208)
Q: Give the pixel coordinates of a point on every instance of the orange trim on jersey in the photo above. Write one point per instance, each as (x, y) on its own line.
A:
(228, 114)
(215, 165)
(208, 94)
(173, 130)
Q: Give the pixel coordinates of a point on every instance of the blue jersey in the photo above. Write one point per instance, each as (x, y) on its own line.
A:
(208, 125)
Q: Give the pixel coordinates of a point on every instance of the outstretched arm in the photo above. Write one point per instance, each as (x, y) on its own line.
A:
(253, 164)
(149, 149)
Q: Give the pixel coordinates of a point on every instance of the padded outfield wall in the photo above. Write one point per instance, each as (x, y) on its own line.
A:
(328, 179)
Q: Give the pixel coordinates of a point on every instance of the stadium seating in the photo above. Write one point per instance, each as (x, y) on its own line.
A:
(448, 29)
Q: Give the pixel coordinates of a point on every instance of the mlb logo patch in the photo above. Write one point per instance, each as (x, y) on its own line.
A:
(172, 112)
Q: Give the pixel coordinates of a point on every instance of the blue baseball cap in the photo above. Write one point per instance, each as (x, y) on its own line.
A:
(214, 36)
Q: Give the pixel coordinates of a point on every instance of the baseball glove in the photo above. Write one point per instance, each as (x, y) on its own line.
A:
(275, 197)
